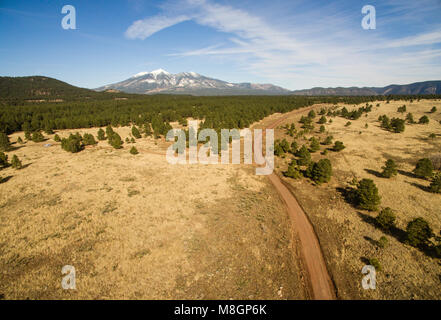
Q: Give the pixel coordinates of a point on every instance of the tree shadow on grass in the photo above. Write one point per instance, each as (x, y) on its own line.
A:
(373, 172)
(407, 174)
(422, 187)
(348, 194)
(6, 179)
(398, 234)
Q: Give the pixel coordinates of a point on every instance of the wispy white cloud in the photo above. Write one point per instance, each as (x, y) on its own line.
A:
(142, 29)
(318, 47)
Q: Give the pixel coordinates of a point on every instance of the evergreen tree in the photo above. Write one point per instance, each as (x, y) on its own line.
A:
(423, 120)
(89, 140)
(366, 195)
(72, 144)
(15, 162)
(409, 118)
(20, 140)
(115, 140)
(423, 168)
(418, 232)
(389, 169)
(284, 145)
(37, 136)
(435, 185)
(397, 125)
(293, 171)
(311, 114)
(304, 156)
(3, 160)
(294, 147)
(321, 171)
(315, 145)
(5, 144)
(433, 110)
(57, 138)
(133, 150)
(101, 135)
(109, 131)
(28, 135)
(328, 140)
(135, 132)
(386, 219)
(322, 120)
(338, 146)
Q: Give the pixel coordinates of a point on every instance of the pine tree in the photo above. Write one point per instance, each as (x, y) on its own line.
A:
(418, 232)
(409, 118)
(366, 195)
(304, 156)
(15, 162)
(435, 185)
(109, 131)
(37, 136)
(321, 171)
(101, 135)
(322, 120)
(328, 140)
(423, 168)
(135, 132)
(89, 140)
(133, 150)
(315, 145)
(5, 144)
(386, 219)
(20, 140)
(3, 160)
(389, 169)
(338, 146)
(293, 171)
(57, 138)
(72, 144)
(115, 140)
(423, 120)
(433, 110)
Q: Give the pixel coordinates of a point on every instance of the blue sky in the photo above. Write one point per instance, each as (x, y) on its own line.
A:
(295, 44)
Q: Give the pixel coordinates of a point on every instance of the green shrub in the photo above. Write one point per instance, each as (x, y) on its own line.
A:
(402, 109)
(432, 136)
(109, 131)
(322, 120)
(389, 169)
(423, 120)
(311, 114)
(386, 219)
(433, 110)
(328, 140)
(37, 136)
(409, 118)
(348, 124)
(397, 125)
(89, 140)
(435, 185)
(294, 147)
(366, 195)
(423, 168)
(322, 129)
(383, 242)
(133, 150)
(375, 263)
(72, 144)
(293, 171)
(304, 156)
(57, 138)
(284, 145)
(321, 171)
(115, 140)
(5, 144)
(135, 132)
(3, 160)
(418, 232)
(101, 135)
(15, 162)
(315, 145)
(28, 135)
(338, 146)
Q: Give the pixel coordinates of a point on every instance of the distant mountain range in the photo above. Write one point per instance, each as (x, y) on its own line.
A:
(161, 81)
(426, 87)
(41, 88)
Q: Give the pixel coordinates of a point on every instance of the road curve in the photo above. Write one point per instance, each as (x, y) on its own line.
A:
(318, 276)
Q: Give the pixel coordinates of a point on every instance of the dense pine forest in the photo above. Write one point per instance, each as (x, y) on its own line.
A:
(69, 107)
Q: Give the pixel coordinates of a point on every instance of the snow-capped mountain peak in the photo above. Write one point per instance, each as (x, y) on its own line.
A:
(188, 83)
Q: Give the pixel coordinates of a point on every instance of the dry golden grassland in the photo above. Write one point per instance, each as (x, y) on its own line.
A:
(136, 227)
(348, 236)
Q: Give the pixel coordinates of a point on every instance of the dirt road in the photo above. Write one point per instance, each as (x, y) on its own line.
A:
(319, 279)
